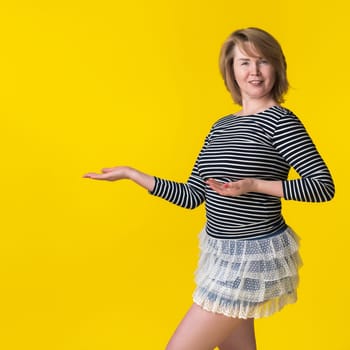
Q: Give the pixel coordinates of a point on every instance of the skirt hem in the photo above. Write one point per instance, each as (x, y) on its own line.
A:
(261, 310)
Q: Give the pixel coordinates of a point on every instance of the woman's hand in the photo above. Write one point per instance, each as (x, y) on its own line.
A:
(232, 189)
(124, 172)
(111, 174)
(237, 188)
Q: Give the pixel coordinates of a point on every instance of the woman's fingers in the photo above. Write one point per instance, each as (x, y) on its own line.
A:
(109, 174)
(216, 186)
(233, 189)
(94, 176)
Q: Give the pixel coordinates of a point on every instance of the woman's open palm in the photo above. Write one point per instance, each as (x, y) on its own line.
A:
(109, 174)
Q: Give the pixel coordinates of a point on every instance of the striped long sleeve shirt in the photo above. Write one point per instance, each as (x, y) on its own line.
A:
(263, 146)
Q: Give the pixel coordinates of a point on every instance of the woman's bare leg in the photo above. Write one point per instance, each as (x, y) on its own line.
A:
(203, 330)
(242, 337)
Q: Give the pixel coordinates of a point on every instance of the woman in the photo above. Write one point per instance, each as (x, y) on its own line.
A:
(249, 259)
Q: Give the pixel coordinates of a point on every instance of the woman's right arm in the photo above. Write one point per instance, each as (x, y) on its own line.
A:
(124, 172)
(187, 195)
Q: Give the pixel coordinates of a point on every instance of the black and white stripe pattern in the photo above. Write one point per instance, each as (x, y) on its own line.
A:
(265, 146)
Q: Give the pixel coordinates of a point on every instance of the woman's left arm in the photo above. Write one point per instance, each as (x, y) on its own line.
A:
(294, 144)
(315, 182)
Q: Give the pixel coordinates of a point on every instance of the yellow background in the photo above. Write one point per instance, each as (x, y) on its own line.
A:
(89, 265)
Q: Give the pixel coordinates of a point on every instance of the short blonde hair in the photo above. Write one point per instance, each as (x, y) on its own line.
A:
(266, 45)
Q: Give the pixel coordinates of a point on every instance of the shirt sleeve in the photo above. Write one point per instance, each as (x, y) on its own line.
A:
(188, 195)
(296, 146)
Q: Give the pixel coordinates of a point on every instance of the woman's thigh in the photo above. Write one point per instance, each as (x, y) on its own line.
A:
(242, 337)
(202, 330)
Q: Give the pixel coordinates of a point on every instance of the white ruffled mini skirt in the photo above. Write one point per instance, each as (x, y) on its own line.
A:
(247, 278)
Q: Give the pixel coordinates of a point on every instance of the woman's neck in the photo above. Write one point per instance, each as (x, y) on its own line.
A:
(249, 108)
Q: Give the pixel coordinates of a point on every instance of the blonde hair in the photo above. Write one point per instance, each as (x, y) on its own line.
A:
(266, 45)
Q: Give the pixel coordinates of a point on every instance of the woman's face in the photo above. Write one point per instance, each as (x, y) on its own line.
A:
(254, 75)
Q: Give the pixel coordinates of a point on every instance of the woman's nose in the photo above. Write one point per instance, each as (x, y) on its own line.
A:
(255, 69)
